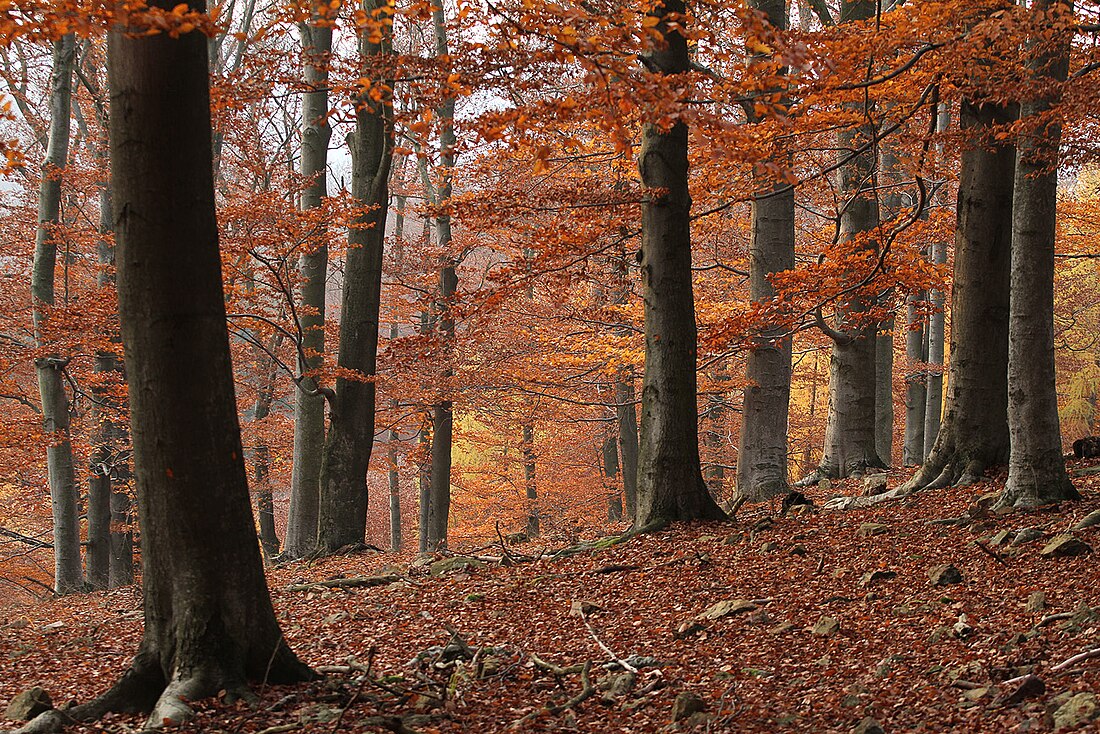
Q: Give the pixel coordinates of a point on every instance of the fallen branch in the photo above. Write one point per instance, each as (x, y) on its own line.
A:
(555, 669)
(610, 653)
(991, 553)
(279, 729)
(1078, 658)
(587, 689)
(351, 582)
(1052, 618)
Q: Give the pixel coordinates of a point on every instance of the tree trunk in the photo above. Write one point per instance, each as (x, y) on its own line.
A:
(529, 481)
(1036, 469)
(346, 457)
(424, 482)
(609, 467)
(627, 419)
(973, 434)
(209, 623)
(309, 404)
(670, 482)
(850, 445)
(884, 391)
(395, 493)
(261, 453)
(933, 408)
(912, 452)
(68, 574)
(439, 499)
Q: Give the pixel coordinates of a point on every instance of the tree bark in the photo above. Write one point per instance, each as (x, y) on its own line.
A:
(424, 483)
(261, 453)
(609, 467)
(346, 456)
(627, 419)
(850, 447)
(209, 623)
(912, 452)
(1036, 469)
(670, 481)
(68, 574)
(884, 391)
(933, 408)
(395, 493)
(529, 480)
(762, 458)
(309, 404)
(973, 434)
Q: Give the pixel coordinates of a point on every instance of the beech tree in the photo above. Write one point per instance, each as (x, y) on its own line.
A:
(1036, 469)
(209, 623)
(670, 480)
(350, 439)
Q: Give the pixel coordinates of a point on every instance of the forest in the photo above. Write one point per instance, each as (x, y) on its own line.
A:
(440, 365)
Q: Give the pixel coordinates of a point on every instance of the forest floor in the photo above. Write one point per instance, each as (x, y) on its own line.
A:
(912, 655)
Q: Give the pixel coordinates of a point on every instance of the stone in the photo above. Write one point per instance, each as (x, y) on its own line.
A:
(1036, 602)
(874, 577)
(1088, 521)
(962, 629)
(686, 704)
(1079, 710)
(727, 608)
(582, 608)
(874, 484)
(688, 628)
(28, 704)
(799, 549)
(769, 547)
(454, 563)
(735, 539)
(944, 575)
(868, 529)
(826, 627)
(868, 726)
(1065, 545)
(825, 485)
(977, 694)
(1032, 686)
(1026, 535)
(1004, 536)
(781, 629)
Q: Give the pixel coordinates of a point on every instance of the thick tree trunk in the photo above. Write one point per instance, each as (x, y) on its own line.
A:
(209, 623)
(439, 495)
(309, 404)
(346, 457)
(973, 434)
(529, 480)
(1036, 469)
(762, 458)
(670, 482)
(912, 452)
(850, 446)
(68, 574)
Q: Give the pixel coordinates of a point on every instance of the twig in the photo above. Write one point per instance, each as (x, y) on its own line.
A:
(359, 690)
(587, 689)
(279, 729)
(554, 669)
(991, 553)
(1079, 657)
(625, 665)
(1051, 618)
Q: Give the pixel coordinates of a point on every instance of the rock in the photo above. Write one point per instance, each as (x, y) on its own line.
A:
(962, 629)
(868, 726)
(616, 686)
(688, 628)
(686, 704)
(735, 539)
(1026, 535)
(581, 608)
(1064, 545)
(781, 629)
(944, 575)
(1079, 710)
(1032, 686)
(875, 576)
(868, 529)
(799, 549)
(28, 704)
(1004, 536)
(1036, 601)
(1088, 521)
(825, 485)
(769, 547)
(977, 694)
(727, 608)
(874, 484)
(826, 627)
(454, 563)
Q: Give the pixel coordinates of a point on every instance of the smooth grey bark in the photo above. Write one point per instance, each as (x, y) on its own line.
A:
(973, 433)
(64, 499)
(884, 391)
(440, 197)
(850, 446)
(1036, 469)
(627, 420)
(395, 494)
(209, 623)
(933, 408)
(670, 481)
(261, 453)
(529, 480)
(762, 457)
(350, 438)
(609, 467)
(424, 486)
(309, 404)
(912, 452)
